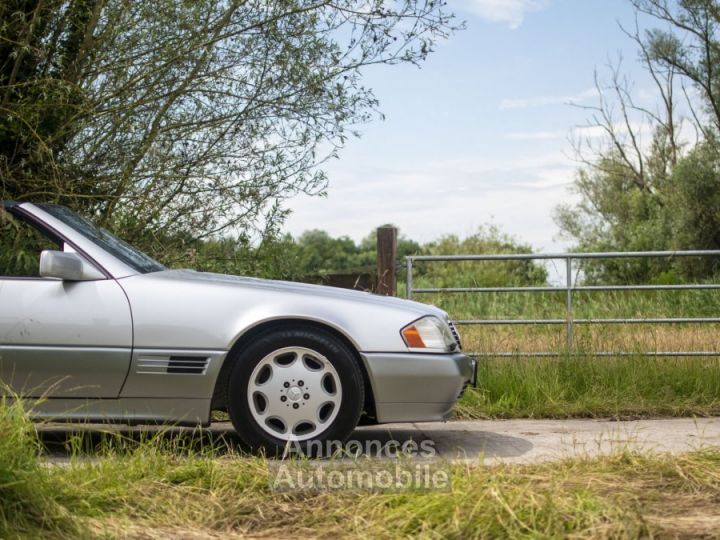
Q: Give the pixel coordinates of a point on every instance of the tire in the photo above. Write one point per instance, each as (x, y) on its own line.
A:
(295, 389)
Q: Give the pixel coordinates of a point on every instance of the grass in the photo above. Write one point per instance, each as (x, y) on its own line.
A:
(626, 387)
(161, 487)
(24, 486)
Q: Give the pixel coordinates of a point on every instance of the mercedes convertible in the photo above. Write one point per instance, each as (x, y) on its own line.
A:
(93, 330)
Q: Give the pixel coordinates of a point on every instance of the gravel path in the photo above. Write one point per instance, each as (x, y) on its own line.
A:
(509, 441)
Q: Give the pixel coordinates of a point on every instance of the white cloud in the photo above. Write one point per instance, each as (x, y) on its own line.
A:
(540, 101)
(534, 135)
(438, 196)
(510, 12)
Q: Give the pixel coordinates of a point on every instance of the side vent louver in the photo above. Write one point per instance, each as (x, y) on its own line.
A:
(189, 365)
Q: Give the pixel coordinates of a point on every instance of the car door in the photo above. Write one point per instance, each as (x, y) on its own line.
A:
(57, 338)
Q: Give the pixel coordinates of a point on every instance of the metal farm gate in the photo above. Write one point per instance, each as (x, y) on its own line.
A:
(569, 322)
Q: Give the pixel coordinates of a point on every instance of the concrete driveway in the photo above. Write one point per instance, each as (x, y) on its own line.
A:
(496, 441)
(526, 441)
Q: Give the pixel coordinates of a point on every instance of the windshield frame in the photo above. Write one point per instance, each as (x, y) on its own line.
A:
(111, 244)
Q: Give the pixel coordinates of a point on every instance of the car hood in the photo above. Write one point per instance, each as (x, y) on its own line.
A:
(289, 287)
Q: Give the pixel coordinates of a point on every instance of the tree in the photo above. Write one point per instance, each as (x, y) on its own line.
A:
(636, 196)
(486, 240)
(166, 119)
(688, 46)
(319, 253)
(615, 214)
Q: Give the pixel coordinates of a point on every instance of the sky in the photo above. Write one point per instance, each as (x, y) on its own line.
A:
(480, 134)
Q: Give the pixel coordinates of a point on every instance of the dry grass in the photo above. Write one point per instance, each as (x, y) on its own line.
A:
(178, 487)
(621, 496)
(611, 338)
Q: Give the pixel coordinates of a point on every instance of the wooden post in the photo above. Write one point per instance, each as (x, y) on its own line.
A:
(386, 254)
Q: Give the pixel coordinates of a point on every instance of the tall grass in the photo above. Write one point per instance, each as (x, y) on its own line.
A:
(28, 501)
(586, 386)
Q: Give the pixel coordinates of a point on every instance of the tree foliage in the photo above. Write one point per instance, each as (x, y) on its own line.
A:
(486, 240)
(316, 253)
(170, 119)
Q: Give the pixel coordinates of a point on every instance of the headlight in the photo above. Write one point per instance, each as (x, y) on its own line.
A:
(429, 333)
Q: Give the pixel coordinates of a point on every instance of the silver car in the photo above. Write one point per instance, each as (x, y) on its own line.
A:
(102, 332)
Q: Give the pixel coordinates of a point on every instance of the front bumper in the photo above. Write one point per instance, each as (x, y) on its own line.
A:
(417, 387)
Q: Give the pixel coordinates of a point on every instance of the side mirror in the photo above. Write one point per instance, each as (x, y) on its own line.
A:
(67, 266)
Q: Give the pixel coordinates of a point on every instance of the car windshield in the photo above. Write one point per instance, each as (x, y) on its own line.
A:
(121, 250)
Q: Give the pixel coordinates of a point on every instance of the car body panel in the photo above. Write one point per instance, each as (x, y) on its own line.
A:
(410, 387)
(175, 411)
(64, 339)
(229, 306)
(173, 373)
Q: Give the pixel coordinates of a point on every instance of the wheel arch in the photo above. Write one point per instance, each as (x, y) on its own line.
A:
(220, 393)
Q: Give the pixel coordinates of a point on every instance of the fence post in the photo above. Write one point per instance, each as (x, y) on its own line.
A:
(409, 279)
(568, 303)
(386, 253)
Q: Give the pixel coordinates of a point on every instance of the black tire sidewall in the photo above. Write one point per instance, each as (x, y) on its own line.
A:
(337, 353)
